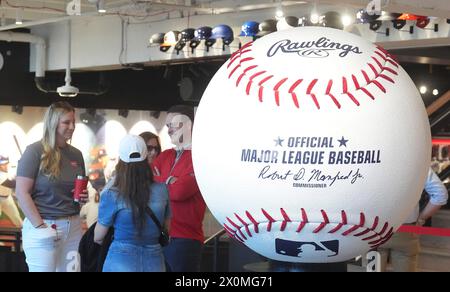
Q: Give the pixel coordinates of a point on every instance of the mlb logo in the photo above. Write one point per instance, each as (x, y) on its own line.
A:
(299, 248)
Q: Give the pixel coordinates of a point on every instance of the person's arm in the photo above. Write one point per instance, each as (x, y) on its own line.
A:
(100, 233)
(156, 168)
(438, 197)
(183, 187)
(24, 186)
(429, 210)
(106, 215)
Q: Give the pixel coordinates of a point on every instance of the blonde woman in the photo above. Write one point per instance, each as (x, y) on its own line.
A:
(45, 180)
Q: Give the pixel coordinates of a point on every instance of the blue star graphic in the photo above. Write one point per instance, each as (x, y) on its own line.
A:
(342, 142)
(279, 141)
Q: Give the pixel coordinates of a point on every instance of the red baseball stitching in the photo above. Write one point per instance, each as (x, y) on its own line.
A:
(234, 228)
(242, 61)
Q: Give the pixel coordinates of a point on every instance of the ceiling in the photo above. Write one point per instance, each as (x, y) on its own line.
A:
(36, 12)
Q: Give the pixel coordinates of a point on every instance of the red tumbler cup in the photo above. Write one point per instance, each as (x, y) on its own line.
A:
(80, 185)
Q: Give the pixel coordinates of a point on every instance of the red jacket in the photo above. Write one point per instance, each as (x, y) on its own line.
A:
(186, 202)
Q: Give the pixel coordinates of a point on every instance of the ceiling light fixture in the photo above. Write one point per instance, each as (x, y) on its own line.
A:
(279, 13)
(67, 90)
(315, 17)
(347, 20)
(101, 6)
(423, 89)
(19, 13)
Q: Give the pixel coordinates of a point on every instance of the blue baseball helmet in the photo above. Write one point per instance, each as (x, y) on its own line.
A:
(224, 32)
(249, 28)
(203, 33)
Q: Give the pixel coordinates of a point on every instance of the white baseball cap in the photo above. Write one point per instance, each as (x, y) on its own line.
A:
(132, 148)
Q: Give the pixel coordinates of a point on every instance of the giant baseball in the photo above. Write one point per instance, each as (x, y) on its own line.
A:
(311, 145)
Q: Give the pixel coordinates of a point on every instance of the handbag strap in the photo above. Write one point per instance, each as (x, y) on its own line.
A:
(152, 215)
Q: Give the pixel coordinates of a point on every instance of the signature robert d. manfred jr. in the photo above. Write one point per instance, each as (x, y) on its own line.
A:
(311, 176)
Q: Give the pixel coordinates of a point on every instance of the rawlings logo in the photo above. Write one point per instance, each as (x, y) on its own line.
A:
(312, 49)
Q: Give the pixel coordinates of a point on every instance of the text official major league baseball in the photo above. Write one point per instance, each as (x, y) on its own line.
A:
(299, 145)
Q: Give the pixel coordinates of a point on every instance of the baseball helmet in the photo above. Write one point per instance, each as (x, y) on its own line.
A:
(171, 38)
(305, 21)
(266, 27)
(4, 159)
(394, 17)
(408, 16)
(422, 21)
(287, 22)
(375, 25)
(389, 16)
(249, 29)
(224, 32)
(157, 39)
(332, 19)
(203, 33)
(399, 23)
(187, 34)
(362, 16)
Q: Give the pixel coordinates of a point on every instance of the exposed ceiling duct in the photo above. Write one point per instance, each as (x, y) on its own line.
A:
(67, 90)
(37, 41)
(41, 60)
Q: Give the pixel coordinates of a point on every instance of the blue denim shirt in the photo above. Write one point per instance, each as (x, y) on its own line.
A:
(114, 212)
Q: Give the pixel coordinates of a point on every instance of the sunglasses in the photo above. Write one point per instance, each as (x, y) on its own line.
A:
(150, 148)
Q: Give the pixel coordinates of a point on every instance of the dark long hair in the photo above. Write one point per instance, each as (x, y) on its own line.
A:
(133, 182)
(149, 135)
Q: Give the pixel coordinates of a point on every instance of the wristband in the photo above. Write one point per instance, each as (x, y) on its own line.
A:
(39, 225)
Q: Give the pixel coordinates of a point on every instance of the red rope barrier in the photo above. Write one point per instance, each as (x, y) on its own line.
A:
(424, 230)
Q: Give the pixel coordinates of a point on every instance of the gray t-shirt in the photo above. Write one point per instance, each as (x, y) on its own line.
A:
(52, 197)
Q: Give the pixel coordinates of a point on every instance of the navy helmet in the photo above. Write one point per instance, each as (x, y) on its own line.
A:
(224, 32)
(203, 33)
(187, 34)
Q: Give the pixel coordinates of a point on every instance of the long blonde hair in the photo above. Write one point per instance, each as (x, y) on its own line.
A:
(51, 157)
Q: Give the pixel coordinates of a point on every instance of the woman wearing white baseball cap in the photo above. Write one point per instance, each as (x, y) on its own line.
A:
(135, 247)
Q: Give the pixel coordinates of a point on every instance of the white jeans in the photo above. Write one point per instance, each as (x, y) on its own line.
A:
(55, 248)
(8, 206)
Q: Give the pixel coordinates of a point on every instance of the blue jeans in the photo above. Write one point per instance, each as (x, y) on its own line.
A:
(127, 257)
(183, 255)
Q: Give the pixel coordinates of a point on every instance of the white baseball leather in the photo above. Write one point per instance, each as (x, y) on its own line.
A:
(345, 145)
